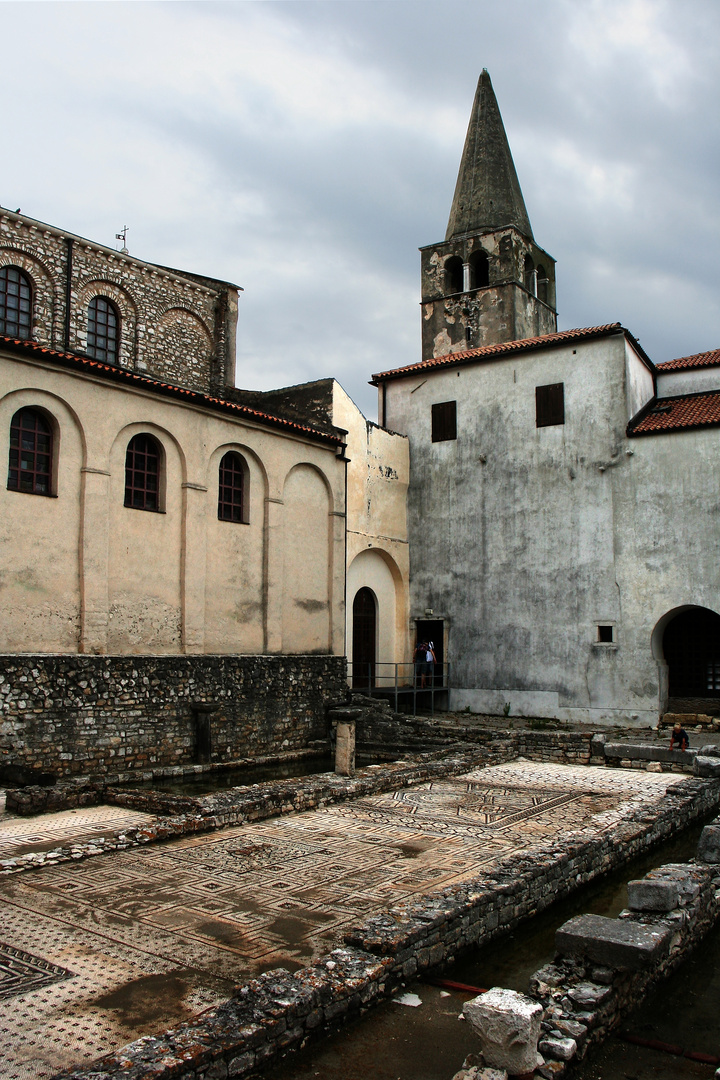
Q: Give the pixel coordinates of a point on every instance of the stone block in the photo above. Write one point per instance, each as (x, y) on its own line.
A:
(709, 750)
(708, 849)
(508, 1026)
(615, 943)
(558, 1047)
(707, 767)
(648, 752)
(652, 895)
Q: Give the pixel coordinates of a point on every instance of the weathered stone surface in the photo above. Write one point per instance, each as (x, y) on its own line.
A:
(587, 995)
(708, 849)
(709, 750)
(556, 1047)
(345, 747)
(706, 766)
(508, 1026)
(650, 894)
(615, 942)
(131, 714)
(649, 752)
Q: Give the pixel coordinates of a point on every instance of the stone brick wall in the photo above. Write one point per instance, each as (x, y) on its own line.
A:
(176, 326)
(79, 715)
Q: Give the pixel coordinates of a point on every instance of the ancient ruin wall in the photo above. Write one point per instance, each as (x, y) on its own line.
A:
(79, 715)
(279, 1011)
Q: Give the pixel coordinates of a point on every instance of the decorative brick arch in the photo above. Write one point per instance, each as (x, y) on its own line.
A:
(128, 317)
(47, 294)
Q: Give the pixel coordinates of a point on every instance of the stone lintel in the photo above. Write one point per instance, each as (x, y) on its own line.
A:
(617, 943)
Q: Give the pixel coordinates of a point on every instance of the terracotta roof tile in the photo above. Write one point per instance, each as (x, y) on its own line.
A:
(697, 360)
(483, 352)
(678, 413)
(118, 374)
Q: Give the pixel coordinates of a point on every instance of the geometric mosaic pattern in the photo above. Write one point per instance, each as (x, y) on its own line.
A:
(20, 972)
(19, 836)
(156, 934)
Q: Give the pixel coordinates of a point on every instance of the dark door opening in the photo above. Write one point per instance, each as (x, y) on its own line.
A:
(433, 630)
(691, 644)
(364, 638)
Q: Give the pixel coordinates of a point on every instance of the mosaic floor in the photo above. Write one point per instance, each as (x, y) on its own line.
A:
(42, 833)
(98, 952)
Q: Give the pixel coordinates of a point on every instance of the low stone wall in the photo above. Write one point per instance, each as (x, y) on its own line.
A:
(281, 1011)
(65, 716)
(606, 967)
(379, 727)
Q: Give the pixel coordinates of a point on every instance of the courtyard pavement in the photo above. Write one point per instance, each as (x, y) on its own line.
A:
(96, 953)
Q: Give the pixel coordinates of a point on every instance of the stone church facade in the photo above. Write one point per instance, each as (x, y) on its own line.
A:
(152, 510)
(564, 490)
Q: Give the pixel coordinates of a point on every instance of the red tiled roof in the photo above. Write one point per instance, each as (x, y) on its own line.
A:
(145, 382)
(677, 413)
(468, 356)
(697, 360)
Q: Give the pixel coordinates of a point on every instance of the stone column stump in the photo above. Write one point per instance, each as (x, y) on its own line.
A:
(508, 1026)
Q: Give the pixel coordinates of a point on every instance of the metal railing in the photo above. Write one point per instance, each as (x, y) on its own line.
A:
(403, 683)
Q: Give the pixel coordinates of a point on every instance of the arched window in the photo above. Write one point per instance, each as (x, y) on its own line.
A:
(543, 285)
(103, 330)
(31, 446)
(142, 473)
(454, 274)
(15, 303)
(529, 274)
(479, 270)
(232, 493)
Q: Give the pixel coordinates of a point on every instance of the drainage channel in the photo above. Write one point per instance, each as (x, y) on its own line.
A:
(424, 1040)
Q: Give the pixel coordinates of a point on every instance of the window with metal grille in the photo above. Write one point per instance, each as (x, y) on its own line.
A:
(231, 489)
(549, 405)
(713, 676)
(103, 330)
(444, 421)
(31, 445)
(15, 303)
(142, 473)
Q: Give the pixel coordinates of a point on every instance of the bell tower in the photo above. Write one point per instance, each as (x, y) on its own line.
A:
(488, 282)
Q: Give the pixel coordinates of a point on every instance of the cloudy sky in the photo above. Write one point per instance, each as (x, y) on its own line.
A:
(305, 150)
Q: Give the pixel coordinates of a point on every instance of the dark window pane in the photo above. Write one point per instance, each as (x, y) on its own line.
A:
(142, 473)
(231, 488)
(102, 330)
(30, 457)
(444, 421)
(549, 405)
(15, 303)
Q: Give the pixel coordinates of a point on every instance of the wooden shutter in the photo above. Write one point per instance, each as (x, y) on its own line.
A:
(444, 421)
(549, 405)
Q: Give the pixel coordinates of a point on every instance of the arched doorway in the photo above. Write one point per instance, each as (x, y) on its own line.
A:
(691, 646)
(364, 638)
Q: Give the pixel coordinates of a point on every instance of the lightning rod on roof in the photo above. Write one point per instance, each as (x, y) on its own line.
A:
(123, 236)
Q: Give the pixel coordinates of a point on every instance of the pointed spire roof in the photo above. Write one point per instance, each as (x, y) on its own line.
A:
(487, 193)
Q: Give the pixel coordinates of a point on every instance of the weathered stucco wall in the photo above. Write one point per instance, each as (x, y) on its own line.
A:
(525, 539)
(80, 715)
(82, 572)
(377, 543)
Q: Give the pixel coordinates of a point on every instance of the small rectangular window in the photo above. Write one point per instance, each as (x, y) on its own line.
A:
(444, 421)
(605, 633)
(549, 405)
